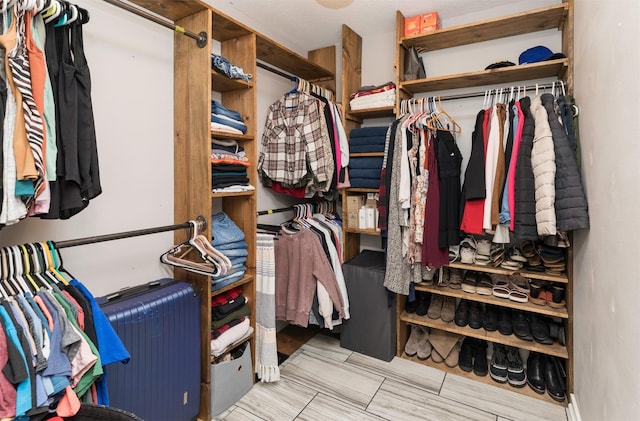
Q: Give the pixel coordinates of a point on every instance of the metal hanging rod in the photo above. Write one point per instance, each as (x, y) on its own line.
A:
(483, 93)
(201, 38)
(276, 71)
(128, 234)
(270, 211)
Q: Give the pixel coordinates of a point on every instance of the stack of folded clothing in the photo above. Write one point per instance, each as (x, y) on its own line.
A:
(229, 319)
(364, 172)
(373, 97)
(229, 166)
(223, 65)
(228, 239)
(226, 120)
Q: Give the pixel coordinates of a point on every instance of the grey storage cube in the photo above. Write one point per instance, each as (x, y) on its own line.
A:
(230, 381)
(371, 330)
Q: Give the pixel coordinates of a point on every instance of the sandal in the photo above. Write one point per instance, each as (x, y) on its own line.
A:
(468, 250)
(519, 289)
(455, 278)
(454, 253)
(484, 285)
(483, 247)
(500, 285)
(515, 255)
(470, 282)
(538, 292)
(557, 296)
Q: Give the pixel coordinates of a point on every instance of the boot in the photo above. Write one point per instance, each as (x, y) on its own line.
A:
(416, 337)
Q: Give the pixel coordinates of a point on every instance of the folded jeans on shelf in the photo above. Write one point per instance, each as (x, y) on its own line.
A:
(215, 118)
(224, 230)
(220, 109)
(239, 252)
(367, 140)
(241, 244)
(365, 183)
(222, 64)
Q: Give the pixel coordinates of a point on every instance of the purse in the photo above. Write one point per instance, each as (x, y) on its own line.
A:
(413, 65)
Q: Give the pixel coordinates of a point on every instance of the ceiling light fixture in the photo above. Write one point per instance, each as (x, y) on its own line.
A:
(334, 4)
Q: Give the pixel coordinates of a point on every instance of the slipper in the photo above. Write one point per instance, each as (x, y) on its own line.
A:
(541, 298)
(511, 265)
(469, 282)
(482, 260)
(455, 278)
(469, 241)
(467, 255)
(519, 289)
(500, 286)
(454, 253)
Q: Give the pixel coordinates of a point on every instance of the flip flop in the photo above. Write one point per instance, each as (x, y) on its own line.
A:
(519, 289)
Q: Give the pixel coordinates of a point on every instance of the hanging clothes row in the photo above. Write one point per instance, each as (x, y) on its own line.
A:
(54, 338)
(49, 151)
(522, 179)
(308, 268)
(305, 149)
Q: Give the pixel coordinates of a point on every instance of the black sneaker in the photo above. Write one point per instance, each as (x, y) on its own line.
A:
(480, 364)
(504, 321)
(490, 318)
(462, 313)
(475, 315)
(465, 360)
(516, 375)
(498, 368)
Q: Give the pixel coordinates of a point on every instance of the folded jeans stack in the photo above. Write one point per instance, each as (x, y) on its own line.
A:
(224, 66)
(373, 96)
(228, 239)
(227, 120)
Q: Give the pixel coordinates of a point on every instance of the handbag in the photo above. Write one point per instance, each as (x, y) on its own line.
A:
(413, 65)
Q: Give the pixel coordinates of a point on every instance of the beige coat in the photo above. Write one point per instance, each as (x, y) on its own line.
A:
(543, 161)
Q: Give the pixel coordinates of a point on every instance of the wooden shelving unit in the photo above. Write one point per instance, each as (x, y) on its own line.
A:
(559, 16)
(194, 82)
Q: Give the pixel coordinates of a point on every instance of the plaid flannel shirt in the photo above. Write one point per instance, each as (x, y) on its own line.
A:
(295, 144)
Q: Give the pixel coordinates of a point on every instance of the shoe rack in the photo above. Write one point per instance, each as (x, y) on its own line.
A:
(559, 16)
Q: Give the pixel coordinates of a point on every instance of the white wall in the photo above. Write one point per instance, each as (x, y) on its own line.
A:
(607, 293)
(131, 62)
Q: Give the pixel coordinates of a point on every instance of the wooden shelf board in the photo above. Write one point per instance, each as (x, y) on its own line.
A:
(527, 274)
(526, 390)
(491, 299)
(365, 154)
(172, 10)
(232, 194)
(555, 349)
(502, 75)
(222, 83)
(374, 112)
(489, 29)
(225, 135)
(226, 28)
(285, 59)
(359, 231)
(360, 190)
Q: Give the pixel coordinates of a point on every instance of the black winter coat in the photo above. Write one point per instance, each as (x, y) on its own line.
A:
(525, 213)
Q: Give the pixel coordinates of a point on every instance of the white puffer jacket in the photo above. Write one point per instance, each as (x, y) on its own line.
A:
(543, 161)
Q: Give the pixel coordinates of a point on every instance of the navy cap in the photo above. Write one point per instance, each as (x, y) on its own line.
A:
(537, 54)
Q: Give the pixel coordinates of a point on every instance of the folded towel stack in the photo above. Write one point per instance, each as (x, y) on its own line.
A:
(374, 97)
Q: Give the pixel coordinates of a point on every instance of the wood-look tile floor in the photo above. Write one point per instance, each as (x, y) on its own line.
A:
(322, 381)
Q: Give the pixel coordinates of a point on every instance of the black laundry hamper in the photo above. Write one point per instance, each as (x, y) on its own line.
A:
(90, 412)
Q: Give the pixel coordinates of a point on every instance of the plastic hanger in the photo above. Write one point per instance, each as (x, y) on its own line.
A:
(54, 7)
(455, 127)
(5, 275)
(26, 262)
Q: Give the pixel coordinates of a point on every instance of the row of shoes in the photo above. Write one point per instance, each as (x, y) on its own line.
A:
(542, 372)
(535, 256)
(524, 325)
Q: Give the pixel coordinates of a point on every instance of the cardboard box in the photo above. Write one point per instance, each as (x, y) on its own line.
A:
(352, 219)
(412, 25)
(429, 22)
(355, 202)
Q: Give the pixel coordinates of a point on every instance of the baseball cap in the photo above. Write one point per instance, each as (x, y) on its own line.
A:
(537, 54)
(499, 64)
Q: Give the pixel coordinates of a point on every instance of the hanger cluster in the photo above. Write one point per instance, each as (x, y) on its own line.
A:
(308, 88)
(427, 113)
(63, 12)
(30, 267)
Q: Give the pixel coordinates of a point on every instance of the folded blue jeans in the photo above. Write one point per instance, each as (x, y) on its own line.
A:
(232, 246)
(233, 253)
(229, 122)
(223, 65)
(369, 131)
(365, 162)
(218, 108)
(224, 230)
(365, 173)
(236, 261)
(216, 284)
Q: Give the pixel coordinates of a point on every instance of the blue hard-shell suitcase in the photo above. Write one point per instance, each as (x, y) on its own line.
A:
(159, 323)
